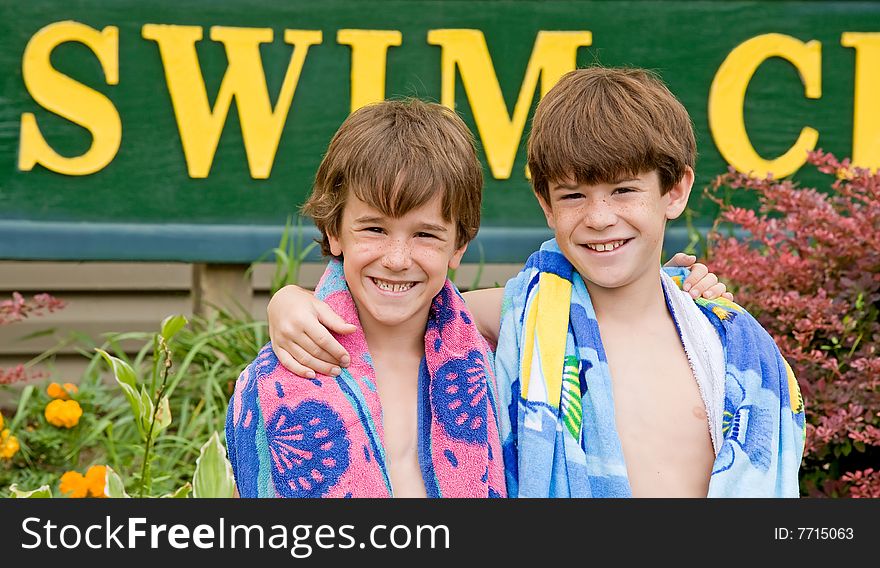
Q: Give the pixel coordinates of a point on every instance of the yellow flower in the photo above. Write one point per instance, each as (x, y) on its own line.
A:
(8, 444)
(74, 485)
(95, 478)
(60, 392)
(63, 413)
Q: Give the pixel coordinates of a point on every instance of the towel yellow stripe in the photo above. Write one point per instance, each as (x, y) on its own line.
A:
(528, 349)
(554, 303)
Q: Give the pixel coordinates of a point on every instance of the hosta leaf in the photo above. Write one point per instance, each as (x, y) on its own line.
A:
(171, 325)
(113, 485)
(213, 476)
(42, 492)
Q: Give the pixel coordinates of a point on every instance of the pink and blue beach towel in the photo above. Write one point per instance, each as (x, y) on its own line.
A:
(290, 436)
(555, 394)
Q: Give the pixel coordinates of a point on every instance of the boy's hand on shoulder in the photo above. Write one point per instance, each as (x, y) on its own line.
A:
(300, 328)
(700, 282)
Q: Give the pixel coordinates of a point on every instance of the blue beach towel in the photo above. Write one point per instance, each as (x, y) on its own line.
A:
(555, 398)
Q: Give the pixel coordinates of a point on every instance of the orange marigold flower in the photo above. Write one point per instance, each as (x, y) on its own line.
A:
(74, 485)
(63, 413)
(56, 391)
(95, 479)
(71, 388)
(8, 444)
(1, 421)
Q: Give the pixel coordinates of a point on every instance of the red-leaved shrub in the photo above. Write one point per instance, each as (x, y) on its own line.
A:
(806, 264)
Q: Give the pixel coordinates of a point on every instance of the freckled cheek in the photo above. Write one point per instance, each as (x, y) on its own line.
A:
(641, 214)
(567, 221)
(364, 246)
(627, 209)
(433, 261)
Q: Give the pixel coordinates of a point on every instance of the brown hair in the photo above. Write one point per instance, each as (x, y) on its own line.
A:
(396, 156)
(600, 125)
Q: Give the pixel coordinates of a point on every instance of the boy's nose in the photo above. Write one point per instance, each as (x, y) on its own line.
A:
(599, 214)
(397, 256)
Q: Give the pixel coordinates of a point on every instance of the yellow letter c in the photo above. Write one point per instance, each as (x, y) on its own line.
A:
(728, 92)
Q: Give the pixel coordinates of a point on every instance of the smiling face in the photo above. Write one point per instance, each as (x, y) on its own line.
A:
(613, 232)
(395, 266)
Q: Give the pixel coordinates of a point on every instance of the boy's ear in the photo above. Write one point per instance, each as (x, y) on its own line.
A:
(548, 212)
(335, 246)
(679, 194)
(456, 257)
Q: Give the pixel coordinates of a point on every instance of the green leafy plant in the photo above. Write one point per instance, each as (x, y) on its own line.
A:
(151, 428)
(157, 428)
(152, 412)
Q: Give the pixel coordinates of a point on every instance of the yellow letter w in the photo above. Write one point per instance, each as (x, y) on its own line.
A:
(200, 126)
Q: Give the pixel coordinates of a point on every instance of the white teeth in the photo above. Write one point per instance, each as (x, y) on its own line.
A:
(602, 247)
(390, 287)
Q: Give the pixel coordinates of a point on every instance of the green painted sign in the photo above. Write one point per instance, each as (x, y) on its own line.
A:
(190, 131)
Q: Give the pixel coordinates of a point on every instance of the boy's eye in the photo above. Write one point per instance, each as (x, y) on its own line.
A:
(572, 196)
(426, 235)
(624, 190)
(373, 229)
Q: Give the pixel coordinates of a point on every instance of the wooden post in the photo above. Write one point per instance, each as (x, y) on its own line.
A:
(225, 286)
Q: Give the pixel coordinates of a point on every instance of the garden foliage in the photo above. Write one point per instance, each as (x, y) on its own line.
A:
(153, 431)
(155, 428)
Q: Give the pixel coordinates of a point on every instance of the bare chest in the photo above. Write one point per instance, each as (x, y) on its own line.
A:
(397, 384)
(660, 415)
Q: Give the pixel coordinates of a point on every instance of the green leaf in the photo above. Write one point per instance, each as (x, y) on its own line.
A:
(171, 325)
(122, 370)
(146, 406)
(213, 477)
(21, 410)
(181, 493)
(43, 492)
(163, 416)
(113, 485)
(37, 334)
(134, 400)
(126, 379)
